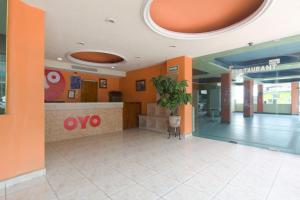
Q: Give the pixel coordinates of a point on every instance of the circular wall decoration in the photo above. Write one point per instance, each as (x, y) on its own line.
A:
(96, 58)
(54, 84)
(198, 19)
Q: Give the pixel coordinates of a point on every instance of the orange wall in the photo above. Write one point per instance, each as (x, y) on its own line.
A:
(295, 98)
(128, 85)
(22, 128)
(113, 84)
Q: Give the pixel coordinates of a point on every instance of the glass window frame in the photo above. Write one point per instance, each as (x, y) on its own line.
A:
(4, 102)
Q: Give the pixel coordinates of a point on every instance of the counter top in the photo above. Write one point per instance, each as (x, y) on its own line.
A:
(82, 106)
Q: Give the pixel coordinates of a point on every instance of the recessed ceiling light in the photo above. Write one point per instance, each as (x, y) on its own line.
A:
(251, 44)
(110, 20)
(172, 46)
(113, 67)
(137, 57)
(81, 43)
(59, 59)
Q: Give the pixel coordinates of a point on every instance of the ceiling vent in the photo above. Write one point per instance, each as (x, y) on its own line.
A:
(84, 68)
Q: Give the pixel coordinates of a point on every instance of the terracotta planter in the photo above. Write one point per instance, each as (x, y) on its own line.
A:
(174, 121)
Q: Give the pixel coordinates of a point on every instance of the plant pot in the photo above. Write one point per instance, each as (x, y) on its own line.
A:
(174, 121)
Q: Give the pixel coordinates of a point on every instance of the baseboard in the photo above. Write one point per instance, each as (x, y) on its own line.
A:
(22, 178)
(188, 135)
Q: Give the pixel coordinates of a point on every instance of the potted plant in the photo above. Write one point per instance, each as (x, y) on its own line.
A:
(172, 95)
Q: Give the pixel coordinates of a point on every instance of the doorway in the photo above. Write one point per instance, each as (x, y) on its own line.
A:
(259, 90)
(89, 91)
(131, 113)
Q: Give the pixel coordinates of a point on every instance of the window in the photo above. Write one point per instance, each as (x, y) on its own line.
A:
(238, 94)
(277, 93)
(3, 14)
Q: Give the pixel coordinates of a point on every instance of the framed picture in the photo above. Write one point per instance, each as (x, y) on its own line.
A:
(140, 85)
(71, 94)
(102, 83)
(75, 82)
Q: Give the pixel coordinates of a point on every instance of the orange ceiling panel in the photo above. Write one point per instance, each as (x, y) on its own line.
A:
(199, 16)
(97, 57)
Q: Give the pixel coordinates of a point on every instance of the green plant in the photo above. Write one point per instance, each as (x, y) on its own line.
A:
(172, 93)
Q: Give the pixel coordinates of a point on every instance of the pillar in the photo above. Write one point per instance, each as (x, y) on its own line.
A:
(295, 98)
(22, 130)
(260, 99)
(248, 98)
(184, 72)
(226, 98)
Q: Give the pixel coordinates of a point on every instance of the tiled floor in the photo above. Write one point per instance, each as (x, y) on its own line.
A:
(141, 165)
(281, 132)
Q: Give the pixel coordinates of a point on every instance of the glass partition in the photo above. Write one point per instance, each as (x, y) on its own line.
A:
(3, 78)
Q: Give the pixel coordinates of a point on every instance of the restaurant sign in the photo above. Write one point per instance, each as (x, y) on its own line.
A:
(270, 67)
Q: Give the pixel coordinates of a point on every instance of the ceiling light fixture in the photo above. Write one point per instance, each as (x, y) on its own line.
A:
(137, 57)
(110, 20)
(172, 46)
(59, 59)
(113, 67)
(81, 43)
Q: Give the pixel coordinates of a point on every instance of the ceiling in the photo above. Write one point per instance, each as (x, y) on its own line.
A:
(288, 53)
(285, 49)
(71, 22)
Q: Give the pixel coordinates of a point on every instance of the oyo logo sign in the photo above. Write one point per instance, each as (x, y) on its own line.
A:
(72, 123)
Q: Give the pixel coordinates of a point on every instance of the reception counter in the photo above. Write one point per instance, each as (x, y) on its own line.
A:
(74, 120)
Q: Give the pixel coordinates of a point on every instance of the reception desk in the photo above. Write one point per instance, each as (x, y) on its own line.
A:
(74, 120)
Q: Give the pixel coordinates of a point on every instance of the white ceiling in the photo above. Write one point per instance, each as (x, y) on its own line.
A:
(71, 21)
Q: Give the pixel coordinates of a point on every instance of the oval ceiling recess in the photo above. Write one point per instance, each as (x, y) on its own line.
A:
(96, 58)
(196, 19)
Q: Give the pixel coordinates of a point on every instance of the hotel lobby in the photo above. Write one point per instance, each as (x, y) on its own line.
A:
(149, 100)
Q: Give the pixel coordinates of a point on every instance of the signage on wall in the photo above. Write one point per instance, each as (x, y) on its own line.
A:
(54, 84)
(72, 123)
(174, 69)
(270, 67)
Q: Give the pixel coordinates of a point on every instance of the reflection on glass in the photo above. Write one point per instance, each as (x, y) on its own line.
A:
(3, 14)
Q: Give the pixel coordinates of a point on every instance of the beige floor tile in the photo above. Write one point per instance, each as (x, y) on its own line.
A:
(208, 182)
(135, 192)
(113, 183)
(186, 192)
(35, 189)
(234, 192)
(137, 164)
(159, 184)
(2, 191)
(137, 172)
(86, 193)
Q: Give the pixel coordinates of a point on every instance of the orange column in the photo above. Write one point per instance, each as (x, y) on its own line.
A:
(184, 64)
(22, 127)
(295, 98)
(226, 98)
(260, 99)
(248, 98)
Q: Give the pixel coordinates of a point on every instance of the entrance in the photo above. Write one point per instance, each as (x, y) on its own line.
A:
(249, 96)
(89, 91)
